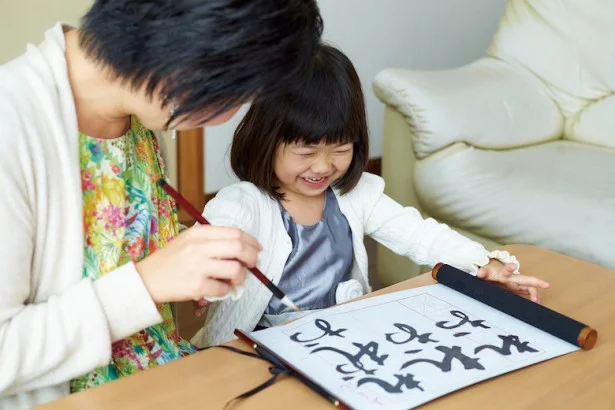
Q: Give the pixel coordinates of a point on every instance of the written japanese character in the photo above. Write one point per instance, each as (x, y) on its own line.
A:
(370, 350)
(406, 381)
(450, 353)
(322, 325)
(412, 334)
(507, 343)
(464, 319)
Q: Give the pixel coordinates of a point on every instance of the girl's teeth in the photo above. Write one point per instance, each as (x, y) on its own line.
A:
(314, 179)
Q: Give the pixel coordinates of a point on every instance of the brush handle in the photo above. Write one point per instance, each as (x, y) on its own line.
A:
(192, 211)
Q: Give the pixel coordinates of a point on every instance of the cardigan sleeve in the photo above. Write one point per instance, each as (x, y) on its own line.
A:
(406, 232)
(52, 341)
(234, 206)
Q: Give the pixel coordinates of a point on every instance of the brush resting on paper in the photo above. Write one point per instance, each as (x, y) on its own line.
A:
(183, 202)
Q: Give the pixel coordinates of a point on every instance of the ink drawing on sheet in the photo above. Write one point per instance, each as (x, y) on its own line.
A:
(404, 349)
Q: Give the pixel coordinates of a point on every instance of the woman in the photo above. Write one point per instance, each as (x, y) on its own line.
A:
(90, 245)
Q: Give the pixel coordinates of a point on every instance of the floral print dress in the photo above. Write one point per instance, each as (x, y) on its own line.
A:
(127, 216)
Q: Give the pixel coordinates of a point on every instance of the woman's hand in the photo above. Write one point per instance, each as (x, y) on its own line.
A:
(495, 271)
(202, 261)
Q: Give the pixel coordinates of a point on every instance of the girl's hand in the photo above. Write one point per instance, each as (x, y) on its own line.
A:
(495, 271)
(199, 307)
(202, 261)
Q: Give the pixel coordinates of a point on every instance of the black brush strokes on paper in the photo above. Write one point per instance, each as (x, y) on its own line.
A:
(322, 325)
(406, 380)
(412, 334)
(370, 350)
(463, 320)
(508, 342)
(445, 365)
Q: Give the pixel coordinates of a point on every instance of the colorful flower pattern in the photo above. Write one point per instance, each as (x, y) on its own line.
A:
(126, 217)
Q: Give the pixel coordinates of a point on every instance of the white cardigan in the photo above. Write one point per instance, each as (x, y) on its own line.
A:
(368, 211)
(54, 325)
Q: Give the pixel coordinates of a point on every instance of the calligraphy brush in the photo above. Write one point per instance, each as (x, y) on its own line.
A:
(183, 202)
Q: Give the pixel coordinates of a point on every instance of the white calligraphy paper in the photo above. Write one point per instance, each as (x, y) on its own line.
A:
(404, 349)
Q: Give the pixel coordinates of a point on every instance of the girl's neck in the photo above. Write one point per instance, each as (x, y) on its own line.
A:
(305, 210)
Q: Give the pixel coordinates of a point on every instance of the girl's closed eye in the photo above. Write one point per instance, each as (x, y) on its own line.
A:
(304, 154)
(304, 151)
(344, 149)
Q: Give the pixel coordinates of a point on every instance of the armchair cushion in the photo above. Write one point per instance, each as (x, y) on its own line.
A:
(595, 124)
(558, 195)
(487, 104)
(567, 44)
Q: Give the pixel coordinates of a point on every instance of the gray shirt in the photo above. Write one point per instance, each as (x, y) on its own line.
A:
(320, 259)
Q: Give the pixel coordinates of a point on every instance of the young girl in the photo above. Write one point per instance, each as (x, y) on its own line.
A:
(308, 201)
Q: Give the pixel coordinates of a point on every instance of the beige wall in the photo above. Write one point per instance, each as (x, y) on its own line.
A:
(25, 21)
(377, 34)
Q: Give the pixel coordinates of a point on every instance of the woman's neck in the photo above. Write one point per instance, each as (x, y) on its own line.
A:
(99, 102)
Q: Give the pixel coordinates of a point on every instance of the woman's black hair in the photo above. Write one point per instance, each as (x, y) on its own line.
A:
(203, 54)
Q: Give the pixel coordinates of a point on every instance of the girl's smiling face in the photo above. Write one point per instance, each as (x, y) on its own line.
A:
(308, 170)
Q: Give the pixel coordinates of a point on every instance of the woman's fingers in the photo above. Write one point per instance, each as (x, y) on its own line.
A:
(229, 249)
(228, 270)
(209, 232)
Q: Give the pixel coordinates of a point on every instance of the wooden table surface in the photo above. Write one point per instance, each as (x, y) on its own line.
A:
(584, 379)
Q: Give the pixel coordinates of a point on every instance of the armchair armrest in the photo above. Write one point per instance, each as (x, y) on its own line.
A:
(487, 104)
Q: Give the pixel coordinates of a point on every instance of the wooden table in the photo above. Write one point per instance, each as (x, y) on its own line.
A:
(584, 379)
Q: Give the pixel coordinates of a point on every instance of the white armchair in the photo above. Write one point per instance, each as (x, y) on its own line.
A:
(517, 147)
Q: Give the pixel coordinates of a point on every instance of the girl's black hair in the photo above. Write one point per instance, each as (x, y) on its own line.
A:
(328, 106)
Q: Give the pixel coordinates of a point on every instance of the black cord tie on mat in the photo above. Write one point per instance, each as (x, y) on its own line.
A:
(276, 370)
